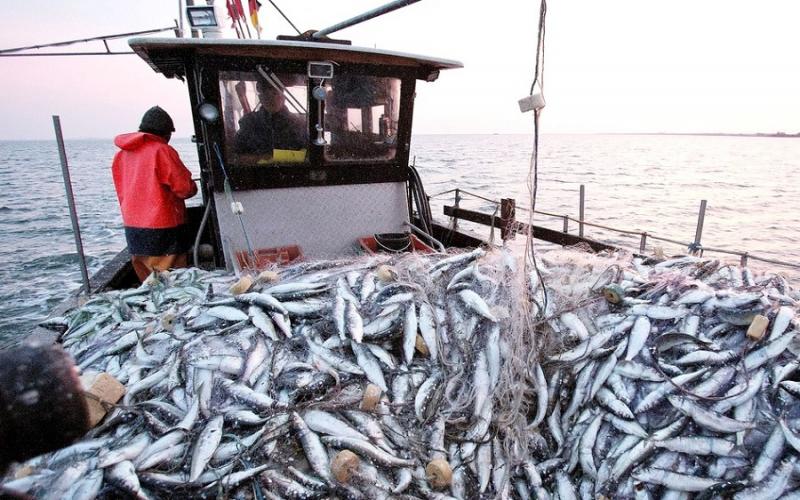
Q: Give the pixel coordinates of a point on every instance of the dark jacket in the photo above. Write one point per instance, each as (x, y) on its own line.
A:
(260, 132)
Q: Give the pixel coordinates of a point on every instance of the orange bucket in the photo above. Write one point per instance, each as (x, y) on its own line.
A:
(267, 256)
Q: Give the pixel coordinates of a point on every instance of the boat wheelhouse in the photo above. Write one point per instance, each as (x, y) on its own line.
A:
(303, 145)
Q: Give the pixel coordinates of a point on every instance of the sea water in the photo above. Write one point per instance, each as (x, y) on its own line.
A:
(651, 183)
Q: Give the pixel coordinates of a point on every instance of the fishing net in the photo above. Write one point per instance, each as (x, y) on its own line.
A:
(567, 378)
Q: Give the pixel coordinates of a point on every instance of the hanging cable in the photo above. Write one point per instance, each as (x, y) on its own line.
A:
(533, 174)
(421, 199)
(538, 71)
(236, 207)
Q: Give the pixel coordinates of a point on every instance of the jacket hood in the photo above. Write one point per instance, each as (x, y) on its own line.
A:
(134, 140)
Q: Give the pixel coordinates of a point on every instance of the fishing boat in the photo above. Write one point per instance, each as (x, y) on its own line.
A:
(347, 187)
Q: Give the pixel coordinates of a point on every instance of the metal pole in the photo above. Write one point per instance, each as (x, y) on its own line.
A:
(285, 17)
(566, 224)
(581, 210)
(73, 214)
(698, 234)
(192, 32)
(180, 17)
(82, 40)
(366, 16)
(643, 243)
(246, 25)
(59, 54)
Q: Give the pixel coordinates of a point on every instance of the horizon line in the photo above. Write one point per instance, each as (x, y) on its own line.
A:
(710, 134)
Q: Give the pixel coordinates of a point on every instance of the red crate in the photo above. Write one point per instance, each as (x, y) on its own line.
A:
(267, 256)
(369, 245)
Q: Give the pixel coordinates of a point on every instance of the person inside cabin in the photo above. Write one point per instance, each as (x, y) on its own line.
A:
(152, 183)
(271, 125)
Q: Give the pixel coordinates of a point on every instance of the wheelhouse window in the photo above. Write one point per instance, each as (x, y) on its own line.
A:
(265, 116)
(361, 117)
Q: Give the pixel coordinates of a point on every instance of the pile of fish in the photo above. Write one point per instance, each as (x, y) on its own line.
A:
(680, 386)
(440, 376)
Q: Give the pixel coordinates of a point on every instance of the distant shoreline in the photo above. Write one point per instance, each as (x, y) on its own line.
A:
(712, 134)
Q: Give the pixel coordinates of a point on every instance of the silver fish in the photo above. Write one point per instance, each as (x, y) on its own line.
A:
(124, 475)
(314, 450)
(365, 448)
(227, 313)
(355, 324)
(638, 337)
(369, 364)
(205, 446)
(707, 418)
(325, 423)
(474, 302)
(427, 328)
(673, 480)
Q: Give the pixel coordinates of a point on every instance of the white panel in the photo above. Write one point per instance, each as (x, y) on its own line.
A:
(326, 221)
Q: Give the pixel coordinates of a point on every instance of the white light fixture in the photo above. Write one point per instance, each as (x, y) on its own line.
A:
(208, 112)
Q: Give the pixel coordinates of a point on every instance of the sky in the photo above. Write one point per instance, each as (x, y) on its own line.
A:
(610, 65)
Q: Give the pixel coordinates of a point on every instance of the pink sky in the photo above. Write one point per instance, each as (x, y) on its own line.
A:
(611, 66)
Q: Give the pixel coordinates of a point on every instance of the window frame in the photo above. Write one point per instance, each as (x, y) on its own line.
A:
(230, 135)
(315, 171)
(328, 159)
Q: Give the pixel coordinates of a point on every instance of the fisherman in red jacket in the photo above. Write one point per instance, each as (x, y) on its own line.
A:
(152, 182)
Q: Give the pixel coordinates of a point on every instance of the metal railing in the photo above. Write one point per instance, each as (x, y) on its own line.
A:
(695, 247)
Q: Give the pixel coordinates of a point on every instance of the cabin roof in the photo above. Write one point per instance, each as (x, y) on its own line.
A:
(166, 55)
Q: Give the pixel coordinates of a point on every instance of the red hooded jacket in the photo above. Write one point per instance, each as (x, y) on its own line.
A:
(151, 181)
